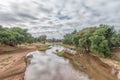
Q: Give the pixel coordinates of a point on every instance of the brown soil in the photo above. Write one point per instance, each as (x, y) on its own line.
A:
(116, 54)
(92, 65)
(12, 62)
(115, 59)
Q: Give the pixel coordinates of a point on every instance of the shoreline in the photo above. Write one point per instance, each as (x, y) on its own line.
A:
(16, 70)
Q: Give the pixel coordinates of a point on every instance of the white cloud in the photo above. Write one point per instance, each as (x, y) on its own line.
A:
(56, 17)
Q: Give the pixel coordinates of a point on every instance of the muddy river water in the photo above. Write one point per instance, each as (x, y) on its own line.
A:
(48, 66)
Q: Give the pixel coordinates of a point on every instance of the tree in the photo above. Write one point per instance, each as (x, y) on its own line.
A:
(101, 40)
(68, 38)
(75, 39)
(115, 40)
(99, 45)
(7, 38)
(14, 36)
(22, 32)
(107, 31)
(95, 39)
(81, 39)
(42, 38)
(53, 40)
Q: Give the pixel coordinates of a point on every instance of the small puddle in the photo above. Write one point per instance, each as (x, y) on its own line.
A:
(48, 66)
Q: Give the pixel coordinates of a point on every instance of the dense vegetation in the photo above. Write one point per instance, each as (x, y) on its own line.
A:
(15, 35)
(68, 38)
(53, 40)
(99, 40)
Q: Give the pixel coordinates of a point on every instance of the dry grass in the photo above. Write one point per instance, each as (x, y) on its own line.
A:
(69, 46)
(43, 47)
(60, 53)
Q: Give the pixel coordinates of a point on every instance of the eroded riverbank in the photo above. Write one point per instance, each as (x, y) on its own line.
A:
(15, 66)
(93, 66)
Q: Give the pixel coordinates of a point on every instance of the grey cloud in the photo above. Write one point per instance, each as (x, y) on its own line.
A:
(8, 18)
(57, 17)
(23, 15)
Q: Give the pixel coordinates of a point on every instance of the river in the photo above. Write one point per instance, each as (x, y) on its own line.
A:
(48, 66)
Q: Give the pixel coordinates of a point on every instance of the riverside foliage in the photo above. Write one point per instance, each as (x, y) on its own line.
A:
(98, 40)
(15, 35)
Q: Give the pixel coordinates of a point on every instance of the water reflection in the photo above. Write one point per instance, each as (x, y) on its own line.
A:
(118, 75)
(48, 66)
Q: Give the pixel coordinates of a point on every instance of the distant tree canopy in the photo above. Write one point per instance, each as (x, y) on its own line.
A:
(42, 38)
(99, 40)
(53, 40)
(68, 38)
(15, 35)
(12, 36)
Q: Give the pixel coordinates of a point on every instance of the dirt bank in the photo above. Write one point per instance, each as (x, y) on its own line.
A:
(12, 64)
(92, 65)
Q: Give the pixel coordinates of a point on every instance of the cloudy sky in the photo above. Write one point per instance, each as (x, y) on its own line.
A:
(57, 17)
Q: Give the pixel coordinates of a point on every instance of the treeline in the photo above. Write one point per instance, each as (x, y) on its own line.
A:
(53, 40)
(15, 35)
(99, 40)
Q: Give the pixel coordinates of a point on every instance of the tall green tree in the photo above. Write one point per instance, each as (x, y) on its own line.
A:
(14, 36)
(99, 45)
(81, 39)
(115, 40)
(101, 40)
